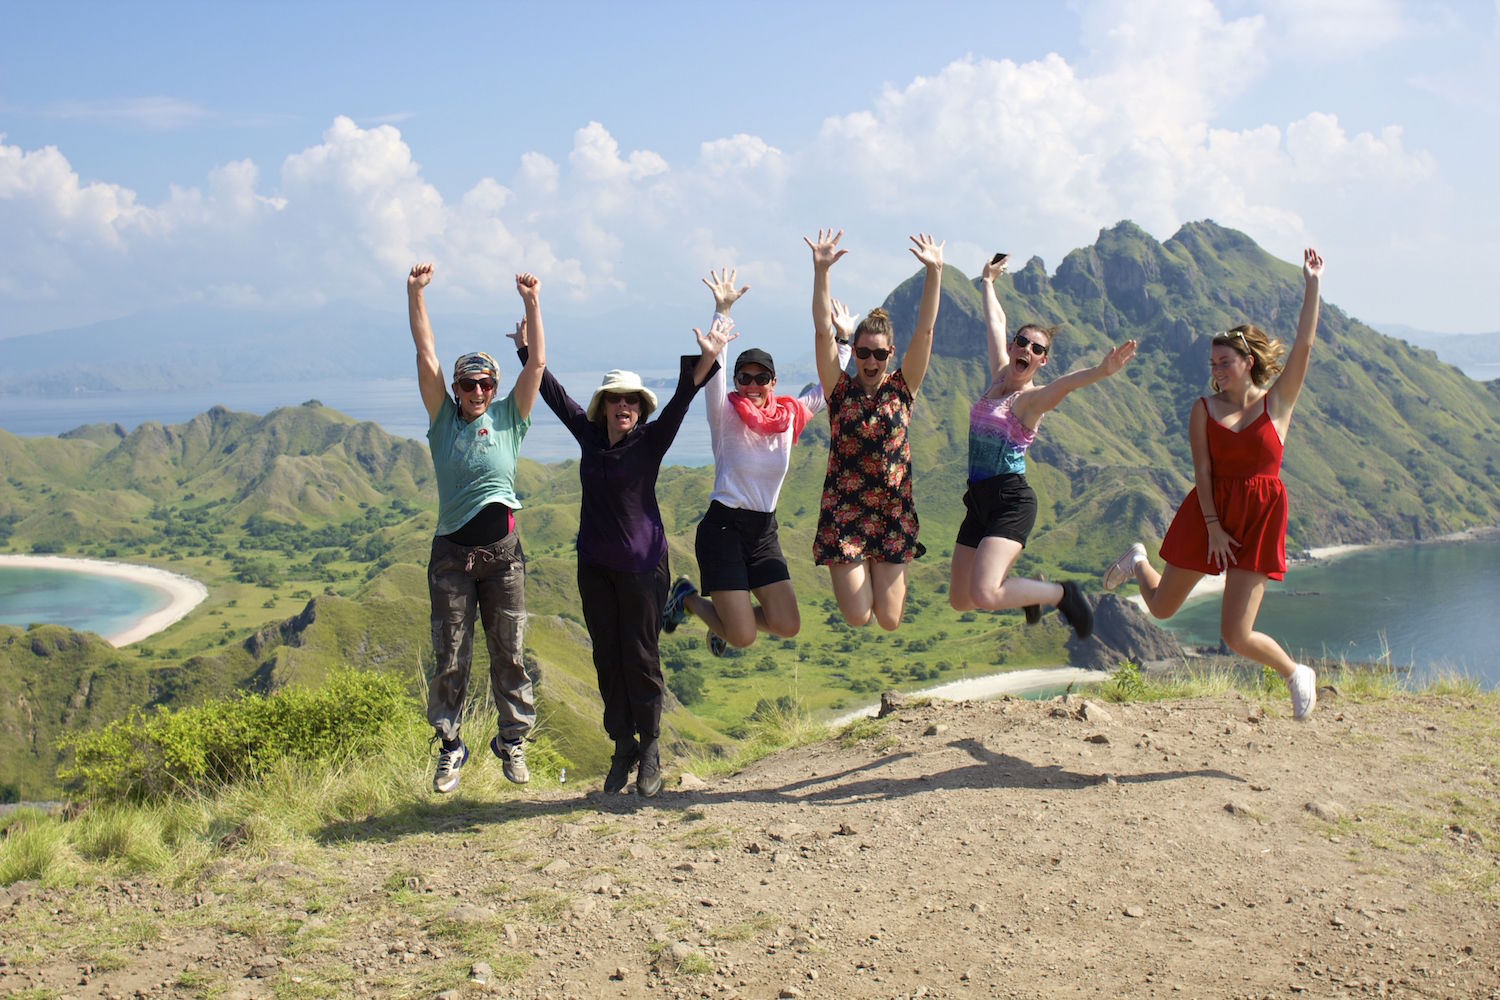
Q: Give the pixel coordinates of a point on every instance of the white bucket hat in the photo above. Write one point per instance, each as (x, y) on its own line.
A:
(621, 382)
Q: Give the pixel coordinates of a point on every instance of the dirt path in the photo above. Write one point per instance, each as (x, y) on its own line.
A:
(1010, 848)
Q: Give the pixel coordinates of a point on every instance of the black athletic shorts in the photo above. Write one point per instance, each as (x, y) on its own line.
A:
(738, 550)
(1002, 506)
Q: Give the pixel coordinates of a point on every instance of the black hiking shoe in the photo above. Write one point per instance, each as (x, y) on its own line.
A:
(648, 778)
(1074, 609)
(627, 755)
(674, 614)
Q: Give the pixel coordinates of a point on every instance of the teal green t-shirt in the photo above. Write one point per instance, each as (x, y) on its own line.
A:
(475, 462)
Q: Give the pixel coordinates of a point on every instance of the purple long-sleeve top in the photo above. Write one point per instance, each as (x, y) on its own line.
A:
(619, 525)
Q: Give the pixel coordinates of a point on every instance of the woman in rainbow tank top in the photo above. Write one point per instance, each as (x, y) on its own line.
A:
(1001, 506)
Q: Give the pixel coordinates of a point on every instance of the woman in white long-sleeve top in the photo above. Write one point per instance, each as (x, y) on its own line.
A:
(752, 431)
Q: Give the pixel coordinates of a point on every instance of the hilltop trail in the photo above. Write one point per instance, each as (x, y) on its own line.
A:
(1012, 848)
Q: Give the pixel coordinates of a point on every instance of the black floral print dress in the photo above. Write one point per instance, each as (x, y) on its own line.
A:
(867, 510)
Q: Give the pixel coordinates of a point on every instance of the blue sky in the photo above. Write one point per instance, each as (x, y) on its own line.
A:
(277, 156)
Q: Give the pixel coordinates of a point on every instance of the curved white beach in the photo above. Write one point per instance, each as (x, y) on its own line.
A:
(992, 686)
(183, 593)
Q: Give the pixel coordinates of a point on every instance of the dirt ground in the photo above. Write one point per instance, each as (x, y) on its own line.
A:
(1012, 848)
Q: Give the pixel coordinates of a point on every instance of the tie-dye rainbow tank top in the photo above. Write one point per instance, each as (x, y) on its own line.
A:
(997, 439)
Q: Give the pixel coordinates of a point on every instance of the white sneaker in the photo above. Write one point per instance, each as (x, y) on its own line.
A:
(445, 778)
(1123, 568)
(512, 756)
(1303, 684)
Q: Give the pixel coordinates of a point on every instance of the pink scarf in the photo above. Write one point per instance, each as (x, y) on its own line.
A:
(773, 418)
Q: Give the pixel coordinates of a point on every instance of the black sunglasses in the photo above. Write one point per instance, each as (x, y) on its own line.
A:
(761, 378)
(878, 353)
(470, 384)
(1040, 350)
(632, 398)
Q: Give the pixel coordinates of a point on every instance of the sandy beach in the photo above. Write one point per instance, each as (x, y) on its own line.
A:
(184, 593)
(991, 686)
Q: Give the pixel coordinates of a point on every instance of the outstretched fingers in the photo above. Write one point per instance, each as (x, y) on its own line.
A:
(825, 250)
(1312, 264)
(926, 249)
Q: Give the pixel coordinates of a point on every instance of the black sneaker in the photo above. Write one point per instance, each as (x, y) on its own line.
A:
(674, 614)
(1075, 610)
(627, 755)
(918, 552)
(716, 645)
(648, 778)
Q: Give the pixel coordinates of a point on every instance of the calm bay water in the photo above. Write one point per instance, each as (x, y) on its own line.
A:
(1424, 607)
(393, 403)
(81, 601)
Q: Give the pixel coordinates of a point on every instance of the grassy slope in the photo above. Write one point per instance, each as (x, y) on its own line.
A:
(311, 530)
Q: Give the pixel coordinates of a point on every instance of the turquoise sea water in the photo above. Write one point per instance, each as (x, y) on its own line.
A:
(81, 601)
(1426, 608)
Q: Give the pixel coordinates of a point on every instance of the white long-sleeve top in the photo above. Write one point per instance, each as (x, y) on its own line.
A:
(749, 466)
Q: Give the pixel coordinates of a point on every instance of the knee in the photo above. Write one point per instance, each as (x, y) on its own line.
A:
(784, 626)
(740, 638)
(856, 619)
(1237, 640)
(888, 620)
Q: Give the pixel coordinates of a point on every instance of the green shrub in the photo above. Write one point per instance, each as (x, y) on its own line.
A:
(149, 756)
(1125, 684)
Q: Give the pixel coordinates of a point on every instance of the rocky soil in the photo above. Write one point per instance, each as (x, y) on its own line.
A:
(1011, 848)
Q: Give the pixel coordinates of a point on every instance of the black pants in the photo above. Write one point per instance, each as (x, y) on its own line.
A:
(623, 615)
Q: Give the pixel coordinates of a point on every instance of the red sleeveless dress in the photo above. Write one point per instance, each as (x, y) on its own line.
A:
(1248, 497)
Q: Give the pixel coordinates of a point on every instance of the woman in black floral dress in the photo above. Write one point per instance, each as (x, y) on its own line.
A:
(867, 527)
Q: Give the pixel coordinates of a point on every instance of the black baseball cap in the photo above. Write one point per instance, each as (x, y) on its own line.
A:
(755, 356)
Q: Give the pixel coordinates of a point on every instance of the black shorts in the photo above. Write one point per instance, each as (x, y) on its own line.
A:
(1002, 506)
(738, 550)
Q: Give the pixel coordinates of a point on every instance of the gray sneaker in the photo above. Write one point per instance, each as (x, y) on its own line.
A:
(1303, 685)
(1123, 568)
(449, 762)
(675, 613)
(512, 754)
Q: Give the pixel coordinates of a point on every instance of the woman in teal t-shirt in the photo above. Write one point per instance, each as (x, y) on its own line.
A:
(476, 564)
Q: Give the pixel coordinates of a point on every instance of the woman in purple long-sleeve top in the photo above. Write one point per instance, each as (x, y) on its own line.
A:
(622, 545)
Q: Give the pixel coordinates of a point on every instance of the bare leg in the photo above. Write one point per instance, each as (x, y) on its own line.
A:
(889, 585)
(1164, 592)
(853, 591)
(728, 615)
(980, 579)
(778, 613)
(1243, 592)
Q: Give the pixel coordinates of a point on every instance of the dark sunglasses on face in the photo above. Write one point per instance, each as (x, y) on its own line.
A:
(482, 384)
(760, 378)
(614, 397)
(878, 353)
(1040, 350)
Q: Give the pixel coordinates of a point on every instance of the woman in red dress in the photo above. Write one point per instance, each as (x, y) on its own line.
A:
(1234, 520)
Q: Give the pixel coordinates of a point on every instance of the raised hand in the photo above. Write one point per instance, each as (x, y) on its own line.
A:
(1115, 359)
(719, 335)
(722, 285)
(419, 277)
(844, 321)
(520, 335)
(825, 251)
(991, 270)
(927, 251)
(529, 286)
(1312, 265)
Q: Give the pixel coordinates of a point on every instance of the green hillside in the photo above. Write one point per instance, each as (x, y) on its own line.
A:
(311, 530)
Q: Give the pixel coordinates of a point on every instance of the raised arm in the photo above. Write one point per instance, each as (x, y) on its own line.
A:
(711, 345)
(1288, 385)
(825, 352)
(716, 405)
(530, 379)
(429, 371)
(1220, 545)
(844, 325)
(1031, 405)
(919, 351)
(994, 318)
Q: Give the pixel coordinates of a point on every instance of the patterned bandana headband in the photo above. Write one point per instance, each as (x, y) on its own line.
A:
(475, 365)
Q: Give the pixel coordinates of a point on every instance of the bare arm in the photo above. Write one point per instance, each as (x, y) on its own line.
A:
(1220, 546)
(711, 345)
(825, 352)
(530, 380)
(1032, 405)
(429, 371)
(994, 319)
(1288, 386)
(919, 351)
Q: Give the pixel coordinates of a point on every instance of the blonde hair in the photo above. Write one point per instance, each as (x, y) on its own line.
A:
(1264, 351)
(875, 324)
